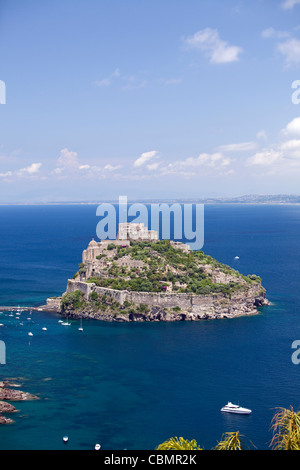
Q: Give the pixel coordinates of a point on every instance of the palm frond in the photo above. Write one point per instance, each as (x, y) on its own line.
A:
(230, 441)
(175, 443)
(286, 429)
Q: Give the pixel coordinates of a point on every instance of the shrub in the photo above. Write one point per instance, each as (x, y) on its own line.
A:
(73, 300)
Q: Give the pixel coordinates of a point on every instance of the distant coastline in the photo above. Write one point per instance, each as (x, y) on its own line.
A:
(264, 199)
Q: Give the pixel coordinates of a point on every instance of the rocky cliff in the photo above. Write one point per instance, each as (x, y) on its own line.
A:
(157, 281)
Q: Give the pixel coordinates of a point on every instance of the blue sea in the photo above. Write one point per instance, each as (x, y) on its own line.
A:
(132, 386)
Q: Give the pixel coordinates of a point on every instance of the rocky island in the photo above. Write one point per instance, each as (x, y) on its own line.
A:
(140, 278)
(9, 394)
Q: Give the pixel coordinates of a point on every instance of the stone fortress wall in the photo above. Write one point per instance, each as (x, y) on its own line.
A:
(204, 306)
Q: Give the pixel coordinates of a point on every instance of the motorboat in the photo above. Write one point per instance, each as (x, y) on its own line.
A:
(232, 408)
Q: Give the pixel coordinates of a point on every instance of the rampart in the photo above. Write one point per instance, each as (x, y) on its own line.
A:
(203, 305)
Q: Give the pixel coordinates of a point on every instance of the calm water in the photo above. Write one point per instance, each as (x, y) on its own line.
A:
(133, 386)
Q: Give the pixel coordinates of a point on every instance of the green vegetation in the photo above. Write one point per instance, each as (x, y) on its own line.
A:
(286, 436)
(73, 300)
(100, 304)
(167, 267)
(175, 443)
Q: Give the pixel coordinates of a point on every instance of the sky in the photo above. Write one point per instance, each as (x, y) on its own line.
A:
(152, 99)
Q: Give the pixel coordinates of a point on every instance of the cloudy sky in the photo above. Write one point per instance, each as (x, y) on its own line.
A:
(148, 99)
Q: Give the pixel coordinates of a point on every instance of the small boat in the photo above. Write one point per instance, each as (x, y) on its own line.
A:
(30, 334)
(236, 257)
(97, 447)
(231, 408)
(65, 438)
(66, 324)
(44, 328)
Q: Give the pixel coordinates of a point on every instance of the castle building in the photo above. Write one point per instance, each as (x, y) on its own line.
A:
(126, 233)
(136, 232)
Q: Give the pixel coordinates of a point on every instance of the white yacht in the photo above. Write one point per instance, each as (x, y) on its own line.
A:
(231, 408)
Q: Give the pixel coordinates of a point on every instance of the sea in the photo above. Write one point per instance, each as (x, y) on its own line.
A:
(132, 386)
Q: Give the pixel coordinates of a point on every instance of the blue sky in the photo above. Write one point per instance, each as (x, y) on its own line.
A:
(149, 99)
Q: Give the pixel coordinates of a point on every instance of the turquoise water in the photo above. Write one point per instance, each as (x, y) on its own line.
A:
(133, 386)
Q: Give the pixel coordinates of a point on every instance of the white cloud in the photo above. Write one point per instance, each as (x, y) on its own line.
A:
(116, 73)
(191, 166)
(5, 175)
(290, 49)
(282, 157)
(144, 158)
(127, 82)
(289, 4)
(272, 33)
(209, 41)
(292, 128)
(153, 166)
(265, 158)
(67, 159)
(292, 145)
(240, 147)
(103, 82)
(31, 169)
(262, 135)
(109, 167)
(68, 165)
(28, 171)
(170, 81)
(134, 82)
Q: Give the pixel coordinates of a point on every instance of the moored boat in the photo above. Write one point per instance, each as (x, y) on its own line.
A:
(232, 408)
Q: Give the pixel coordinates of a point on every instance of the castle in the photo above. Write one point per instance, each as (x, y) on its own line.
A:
(127, 232)
(94, 264)
(100, 258)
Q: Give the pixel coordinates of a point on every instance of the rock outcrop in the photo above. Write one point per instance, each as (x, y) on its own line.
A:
(9, 394)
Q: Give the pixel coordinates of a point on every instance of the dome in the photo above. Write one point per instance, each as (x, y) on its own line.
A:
(93, 243)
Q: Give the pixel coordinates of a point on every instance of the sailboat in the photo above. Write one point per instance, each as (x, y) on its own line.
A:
(80, 328)
(66, 323)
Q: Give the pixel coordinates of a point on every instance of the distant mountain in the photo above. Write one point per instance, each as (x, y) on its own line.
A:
(246, 199)
(255, 199)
